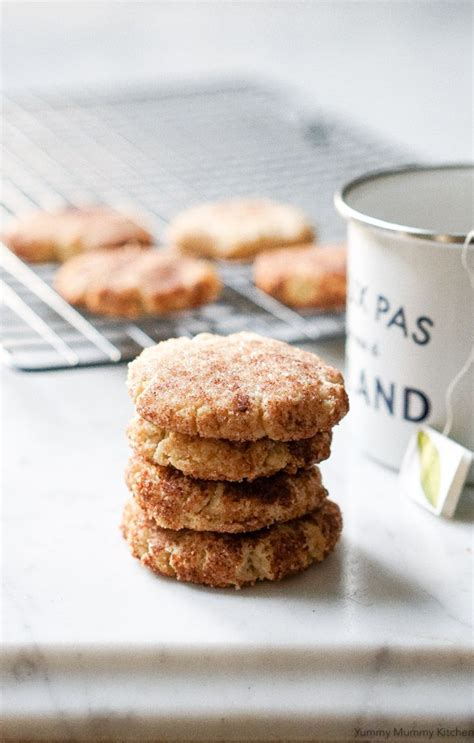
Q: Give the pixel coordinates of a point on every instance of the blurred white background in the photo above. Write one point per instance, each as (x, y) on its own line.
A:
(403, 69)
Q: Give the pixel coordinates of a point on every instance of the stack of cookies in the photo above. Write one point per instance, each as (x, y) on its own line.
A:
(226, 438)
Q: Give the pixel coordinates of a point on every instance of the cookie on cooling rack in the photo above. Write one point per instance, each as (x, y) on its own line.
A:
(305, 277)
(131, 282)
(219, 459)
(238, 229)
(175, 501)
(241, 387)
(56, 236)
(232, 560)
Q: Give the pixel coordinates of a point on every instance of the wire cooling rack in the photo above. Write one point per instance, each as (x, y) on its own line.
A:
(157, 152)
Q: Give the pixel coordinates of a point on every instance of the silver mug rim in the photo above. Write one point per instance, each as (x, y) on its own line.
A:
(348, 212)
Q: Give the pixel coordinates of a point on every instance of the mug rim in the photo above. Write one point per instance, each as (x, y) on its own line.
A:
(349, 212)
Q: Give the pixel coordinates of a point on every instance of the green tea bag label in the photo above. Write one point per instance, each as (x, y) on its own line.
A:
(430, 468)
(434, 470)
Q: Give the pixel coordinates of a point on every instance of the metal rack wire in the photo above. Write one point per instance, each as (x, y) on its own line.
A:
(159, 152)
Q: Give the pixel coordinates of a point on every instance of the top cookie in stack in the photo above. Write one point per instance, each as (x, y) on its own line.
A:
(241, 387)
(226, 436)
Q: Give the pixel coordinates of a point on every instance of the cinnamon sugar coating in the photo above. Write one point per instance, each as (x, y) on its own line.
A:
(56, 236)
(241, 387)
(305, 277)
(175, 501)
(226, 560)
(238, 229)
(130, 282)
(219, 459)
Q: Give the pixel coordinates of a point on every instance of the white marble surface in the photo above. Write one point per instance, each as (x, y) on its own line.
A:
(95, 648)
(94, 645)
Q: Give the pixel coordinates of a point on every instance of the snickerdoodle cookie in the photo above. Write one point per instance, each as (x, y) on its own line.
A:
(306, 277)
(56, 236)
(175, 501)
(242, 387)
(220, 459)
(224, 560)
(238, 229)
(130, 282)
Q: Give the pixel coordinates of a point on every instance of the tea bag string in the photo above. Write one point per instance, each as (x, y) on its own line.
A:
(470, 359)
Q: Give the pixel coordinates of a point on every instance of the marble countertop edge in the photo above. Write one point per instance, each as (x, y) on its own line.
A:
(248, 652)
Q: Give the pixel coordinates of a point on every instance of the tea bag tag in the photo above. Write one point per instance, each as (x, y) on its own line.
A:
(434, 470)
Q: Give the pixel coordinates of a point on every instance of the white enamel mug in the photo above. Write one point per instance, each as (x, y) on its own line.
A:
(410, 314)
